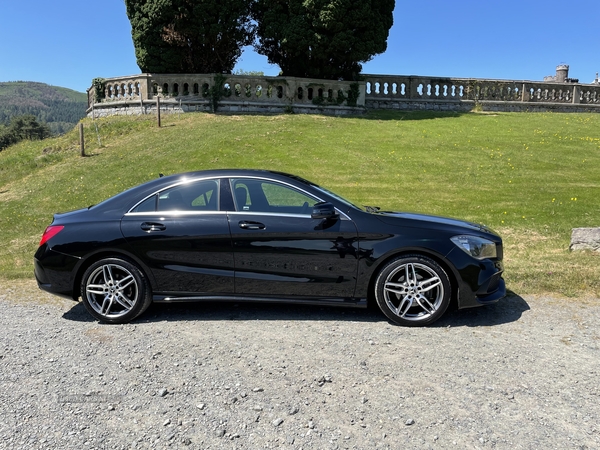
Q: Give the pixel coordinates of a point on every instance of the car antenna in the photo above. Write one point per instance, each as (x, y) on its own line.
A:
(160, 175)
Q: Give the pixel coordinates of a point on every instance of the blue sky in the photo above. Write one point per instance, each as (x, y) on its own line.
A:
(70, 42)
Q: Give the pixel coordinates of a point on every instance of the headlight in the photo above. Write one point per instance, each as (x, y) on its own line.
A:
(475, 246)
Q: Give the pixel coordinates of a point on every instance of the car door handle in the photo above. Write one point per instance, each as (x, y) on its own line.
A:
(152, 226)
(251, 225)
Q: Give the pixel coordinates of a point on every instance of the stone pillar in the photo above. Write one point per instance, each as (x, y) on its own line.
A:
(524, 94)
(576, 94)
(414, 85)
(145, 87)
(362, 88)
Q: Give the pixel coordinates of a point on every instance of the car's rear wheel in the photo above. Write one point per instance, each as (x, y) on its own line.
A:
(413, 290)
(115, 291)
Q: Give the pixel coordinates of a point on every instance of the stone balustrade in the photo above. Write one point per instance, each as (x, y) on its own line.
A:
(193, 92)
(416, 92)
(240, 93)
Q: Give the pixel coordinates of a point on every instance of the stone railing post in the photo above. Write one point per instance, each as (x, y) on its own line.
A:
(576, 94)
(145, 92)
(362, 89)
(291, 90)
(414, 85)
(525, 93)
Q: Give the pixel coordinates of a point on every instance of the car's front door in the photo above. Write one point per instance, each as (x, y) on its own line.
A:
(280, 251)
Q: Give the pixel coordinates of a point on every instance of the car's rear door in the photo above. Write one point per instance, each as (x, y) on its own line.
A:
(183, 237)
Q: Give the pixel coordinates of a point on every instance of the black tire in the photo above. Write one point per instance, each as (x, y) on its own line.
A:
(413, 290)
(114, 290)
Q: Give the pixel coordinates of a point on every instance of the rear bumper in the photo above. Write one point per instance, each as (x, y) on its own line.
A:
(53, 272)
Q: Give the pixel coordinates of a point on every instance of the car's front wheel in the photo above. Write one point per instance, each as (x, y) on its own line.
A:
(115, 291)
(413, 290)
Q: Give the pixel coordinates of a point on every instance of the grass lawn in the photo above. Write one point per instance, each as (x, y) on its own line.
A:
(532, 177)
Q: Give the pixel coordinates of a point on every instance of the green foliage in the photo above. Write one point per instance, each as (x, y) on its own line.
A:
(27, 127)
(59, 108)
(217, 91)
(6, 137)
(183, 36)
(20, 128)
(99, 86)
(353, 94)
(351, 98)
(323, 39)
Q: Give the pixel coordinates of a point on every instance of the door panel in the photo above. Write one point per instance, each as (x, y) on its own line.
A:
(293, 256)
(187, 253)
(281, 251)
(181, 235)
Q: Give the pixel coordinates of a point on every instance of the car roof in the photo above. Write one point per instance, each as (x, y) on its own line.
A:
(126, 199)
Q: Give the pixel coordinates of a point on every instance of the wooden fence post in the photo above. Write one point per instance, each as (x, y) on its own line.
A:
(158, 111)
(81, 139)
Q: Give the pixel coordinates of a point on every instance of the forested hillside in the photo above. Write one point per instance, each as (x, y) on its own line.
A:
(60, 108)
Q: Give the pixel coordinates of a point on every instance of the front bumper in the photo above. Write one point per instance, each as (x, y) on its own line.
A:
(490, 286)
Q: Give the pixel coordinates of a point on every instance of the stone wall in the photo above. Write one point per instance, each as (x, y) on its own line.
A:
(192, 92)
(466, 94)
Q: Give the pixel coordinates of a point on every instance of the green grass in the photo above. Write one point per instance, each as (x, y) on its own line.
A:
(532, 177)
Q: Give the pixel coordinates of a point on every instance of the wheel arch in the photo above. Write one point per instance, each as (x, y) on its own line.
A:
(438, 258)
(108, 253)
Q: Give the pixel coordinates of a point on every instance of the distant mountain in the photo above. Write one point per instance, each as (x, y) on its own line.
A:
(59, 107)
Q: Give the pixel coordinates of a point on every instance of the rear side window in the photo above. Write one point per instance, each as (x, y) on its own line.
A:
(194, 196)
(148, 205)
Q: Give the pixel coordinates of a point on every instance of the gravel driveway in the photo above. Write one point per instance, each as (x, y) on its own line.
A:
(520, 374)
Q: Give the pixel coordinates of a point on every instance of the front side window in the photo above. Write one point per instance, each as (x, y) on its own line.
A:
(270, 197)
(194, 196)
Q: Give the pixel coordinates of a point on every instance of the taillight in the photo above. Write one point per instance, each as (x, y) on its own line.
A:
(50, 232)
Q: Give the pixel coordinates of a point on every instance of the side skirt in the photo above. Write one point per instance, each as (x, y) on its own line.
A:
(346, 302)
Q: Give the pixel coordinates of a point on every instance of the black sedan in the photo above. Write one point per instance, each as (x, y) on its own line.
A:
(249, 235)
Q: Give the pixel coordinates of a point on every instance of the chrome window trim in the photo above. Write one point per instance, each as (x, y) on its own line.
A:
(174, 213)
(343, 216)
(163, 214)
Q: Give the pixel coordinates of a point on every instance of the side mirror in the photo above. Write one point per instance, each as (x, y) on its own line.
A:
(324, 210)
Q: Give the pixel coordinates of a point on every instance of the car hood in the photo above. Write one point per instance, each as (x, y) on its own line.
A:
(394, 218)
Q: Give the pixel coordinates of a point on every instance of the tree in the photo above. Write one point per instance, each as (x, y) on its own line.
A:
(27, 127)
(189, 36)
(6, 137)
(22, 127)
(325, 39)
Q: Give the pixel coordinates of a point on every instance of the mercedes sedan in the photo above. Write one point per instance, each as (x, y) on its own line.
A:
(249, 235)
